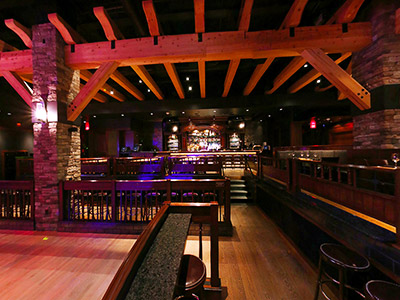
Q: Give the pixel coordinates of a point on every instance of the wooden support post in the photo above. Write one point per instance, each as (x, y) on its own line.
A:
(215, 280)
(338, 77)
(397, 196)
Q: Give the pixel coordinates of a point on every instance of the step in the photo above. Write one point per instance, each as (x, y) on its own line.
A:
(237, 186)
(237, 181)
(243, 192)
(243, 198)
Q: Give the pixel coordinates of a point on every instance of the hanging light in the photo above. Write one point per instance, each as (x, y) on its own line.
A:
(313, 123)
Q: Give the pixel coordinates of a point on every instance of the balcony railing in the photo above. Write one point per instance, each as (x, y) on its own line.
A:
(17, 200)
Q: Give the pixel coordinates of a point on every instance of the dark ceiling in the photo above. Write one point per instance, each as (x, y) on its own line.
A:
(177, 17)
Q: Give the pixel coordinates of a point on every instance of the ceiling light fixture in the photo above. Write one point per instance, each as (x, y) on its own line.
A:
(140, 81)
(318, 80)
(112, 92)
(190, 88)
(148, 90)
(187, 78)
(305, 65)
(122, 115)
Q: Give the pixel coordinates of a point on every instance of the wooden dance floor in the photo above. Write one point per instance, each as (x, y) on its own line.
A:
(53, 265)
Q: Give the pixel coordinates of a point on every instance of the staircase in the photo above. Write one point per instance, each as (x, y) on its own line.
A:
(239, 192)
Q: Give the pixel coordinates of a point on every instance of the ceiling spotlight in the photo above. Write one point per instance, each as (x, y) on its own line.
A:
(167, 113)
(214, 111)
(183, 113)
(241, 125)
(148, 90)
(187, 78)
(318, 80)
(305, 65)
(140, 81)
(281, 109)
(175, 128)
(269, 116)
(112, 92)
(151, 114)
(8, 114)
(122, 115)
(247, 109)
(190, 88)
(260, 120)
(94, 116)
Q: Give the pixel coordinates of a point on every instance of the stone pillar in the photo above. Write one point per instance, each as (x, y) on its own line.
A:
(56, 142)
(377, 67)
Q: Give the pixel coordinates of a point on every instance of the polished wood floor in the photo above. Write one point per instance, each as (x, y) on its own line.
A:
(258, 262)
(49, 265)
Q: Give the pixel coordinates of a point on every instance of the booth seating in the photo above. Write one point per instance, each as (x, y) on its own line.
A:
(344, 261)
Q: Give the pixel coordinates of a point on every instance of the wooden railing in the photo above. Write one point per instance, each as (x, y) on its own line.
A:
(195, 165)
(17, 200)
(372, 191)
(95, 168)
(203, 212)
(276, 169)
(137, 200)
(134, 166)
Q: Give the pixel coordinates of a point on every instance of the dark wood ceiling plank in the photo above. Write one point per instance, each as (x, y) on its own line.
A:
(338, 77)
(69, 34)
(346, 13)
(19, 86)
(110, 28)
(90, 89)
(24, 33)
(148, 80)
(313, 75)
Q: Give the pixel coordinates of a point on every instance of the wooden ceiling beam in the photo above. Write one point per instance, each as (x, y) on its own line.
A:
(127, 85)
(24, 33)
(245, 15)
(293, 17)
(171, 70)
(202, 78)
(148, 80)
(287, 72)
(199, 24)
(397, 23)
(349, 70)
(233, 66)
(19, 86)
(98, 97)
(312, 75)
(215, 46)
(90, 89)
(106, 88)
(110, 29)
(69, 35)
(151, 17)
(346, 13)
(338, 77)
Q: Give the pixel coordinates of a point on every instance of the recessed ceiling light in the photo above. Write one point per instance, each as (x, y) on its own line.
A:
(318, 80)
(187, 78)
(151, 114)
(281, 109)
(122, 115)
(94, 116)
(148, 90)
(190, 88)
(214, 111)
(112, 92)
(140, 81)
(269, 116)
(305, 65)
(167, 113)
(183, 113)
(9, 114)
(247, 109)
(260, 120)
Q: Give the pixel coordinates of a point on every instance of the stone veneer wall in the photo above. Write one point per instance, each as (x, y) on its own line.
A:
(379, 129)
(56, 148)
(375, 66)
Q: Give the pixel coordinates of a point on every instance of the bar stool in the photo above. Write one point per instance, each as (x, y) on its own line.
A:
(192, 276)
(344, 261)
(381, 290)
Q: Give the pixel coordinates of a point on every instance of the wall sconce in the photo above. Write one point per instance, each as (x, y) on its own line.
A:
(45, 111)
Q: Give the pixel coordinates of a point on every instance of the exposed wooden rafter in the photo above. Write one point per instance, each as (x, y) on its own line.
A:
(346, 13)
(313, 75)
(127, 85)
(110, 29)
(69, 35)
(19, 86)
(202, 78)
(233, 66)
(154, 29)
(338, 77)
(90, 89)
(148, 80)
(86, 75)
(199, 24)
(292, 19)
(287, 72)
(244, 23)
(25, 34)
